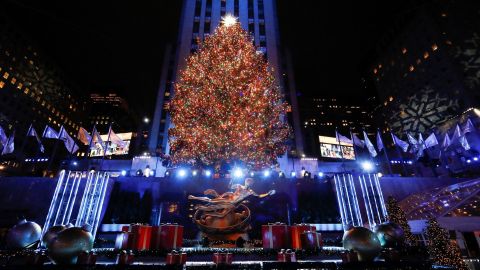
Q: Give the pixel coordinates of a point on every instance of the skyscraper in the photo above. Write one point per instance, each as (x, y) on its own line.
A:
(198, 20)
(428, 66)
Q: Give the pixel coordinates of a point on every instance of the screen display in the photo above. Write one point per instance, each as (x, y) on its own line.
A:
(331, 148)
(111, 147)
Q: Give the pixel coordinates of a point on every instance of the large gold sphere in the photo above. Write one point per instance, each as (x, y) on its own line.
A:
(389, 234)
(363, 241)
(22, 235)
(52, 233)
(69, 243)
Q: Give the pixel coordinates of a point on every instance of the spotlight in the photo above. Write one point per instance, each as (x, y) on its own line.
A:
(124, 172)
(367, 166)
(237, 172)
(320, 174)
(252, 174)
(469, 161)
(266, 173)
(74, 163)
(379, 174)
(182, 173)
(475, 159)
(293, 174)
(208, 173)
(146, 120)
(194, 172)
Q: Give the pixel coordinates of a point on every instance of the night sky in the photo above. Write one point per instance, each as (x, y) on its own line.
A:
(118, 45)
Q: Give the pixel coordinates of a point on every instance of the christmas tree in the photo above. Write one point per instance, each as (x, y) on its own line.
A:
(442, 251)
(227, 104)
(397, 216)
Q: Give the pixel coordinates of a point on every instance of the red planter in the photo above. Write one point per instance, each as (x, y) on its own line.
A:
(167, 236)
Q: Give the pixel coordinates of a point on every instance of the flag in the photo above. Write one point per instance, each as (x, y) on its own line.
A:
(9, 146)
(67, 141)
(3, 137)
(83, 136)
(457, 133)
(33, 133)
(379, 141)
(468, 126)
(357, 141)
(463, 141)
(413, 142)
(50, 133)
(114, 138)
(446, 141)
(342, 139)
(369, 145)
(96, 139)
(400, 143)
(431, 141)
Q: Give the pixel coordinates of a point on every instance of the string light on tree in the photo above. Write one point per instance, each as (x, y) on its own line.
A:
(441, 250)
(398, 216)
(227, 104)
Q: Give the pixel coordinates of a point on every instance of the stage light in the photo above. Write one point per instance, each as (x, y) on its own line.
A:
(194, 172)
(379, 174)
(74, 163)
(237, 173)
(252, 174)
(475, 159)
(146, 120)
(208, 173)
(469, 161)
(410, 162)
(182, 173)
(293, 174)
(320, 174)
(367, 166)
(266, 173)
(124, 172)
(167, 173)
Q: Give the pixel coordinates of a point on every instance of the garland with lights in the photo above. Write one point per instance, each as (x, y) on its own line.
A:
(442, 251)
(398, 216)
(227, 105)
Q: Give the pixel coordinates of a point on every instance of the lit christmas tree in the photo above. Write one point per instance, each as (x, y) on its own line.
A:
(227, 104)
(442, 251)
(397, 216)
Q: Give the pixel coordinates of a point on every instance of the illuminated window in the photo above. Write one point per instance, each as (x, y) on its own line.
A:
(26, 91)
(5, 76)
(13, 81)
(390, 98)
(2, 84)
(411, 68)
(425, 55)
(404, 50)
(434, 47)
(375, 71)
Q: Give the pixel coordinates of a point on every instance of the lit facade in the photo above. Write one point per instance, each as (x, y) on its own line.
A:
(199, 19)
(321, 116)
(428, 69)
(32, 89)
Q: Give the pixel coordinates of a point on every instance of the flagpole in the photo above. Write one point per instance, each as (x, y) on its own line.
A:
(24, 143)
(106, 145)
(90, 142)
(341, 151)
(385, 152)
(353, 144)
(400, 155)
(55, 147)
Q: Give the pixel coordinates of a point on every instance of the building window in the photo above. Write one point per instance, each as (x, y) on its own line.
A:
(261, 12)
(206, 29)
(251, 28)
(250, 9)
(208, 9)
(236, 7)
(198, 8)
(2, 84)
(223, 7)
(434, 47)
(5, 76)
(196, 27)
